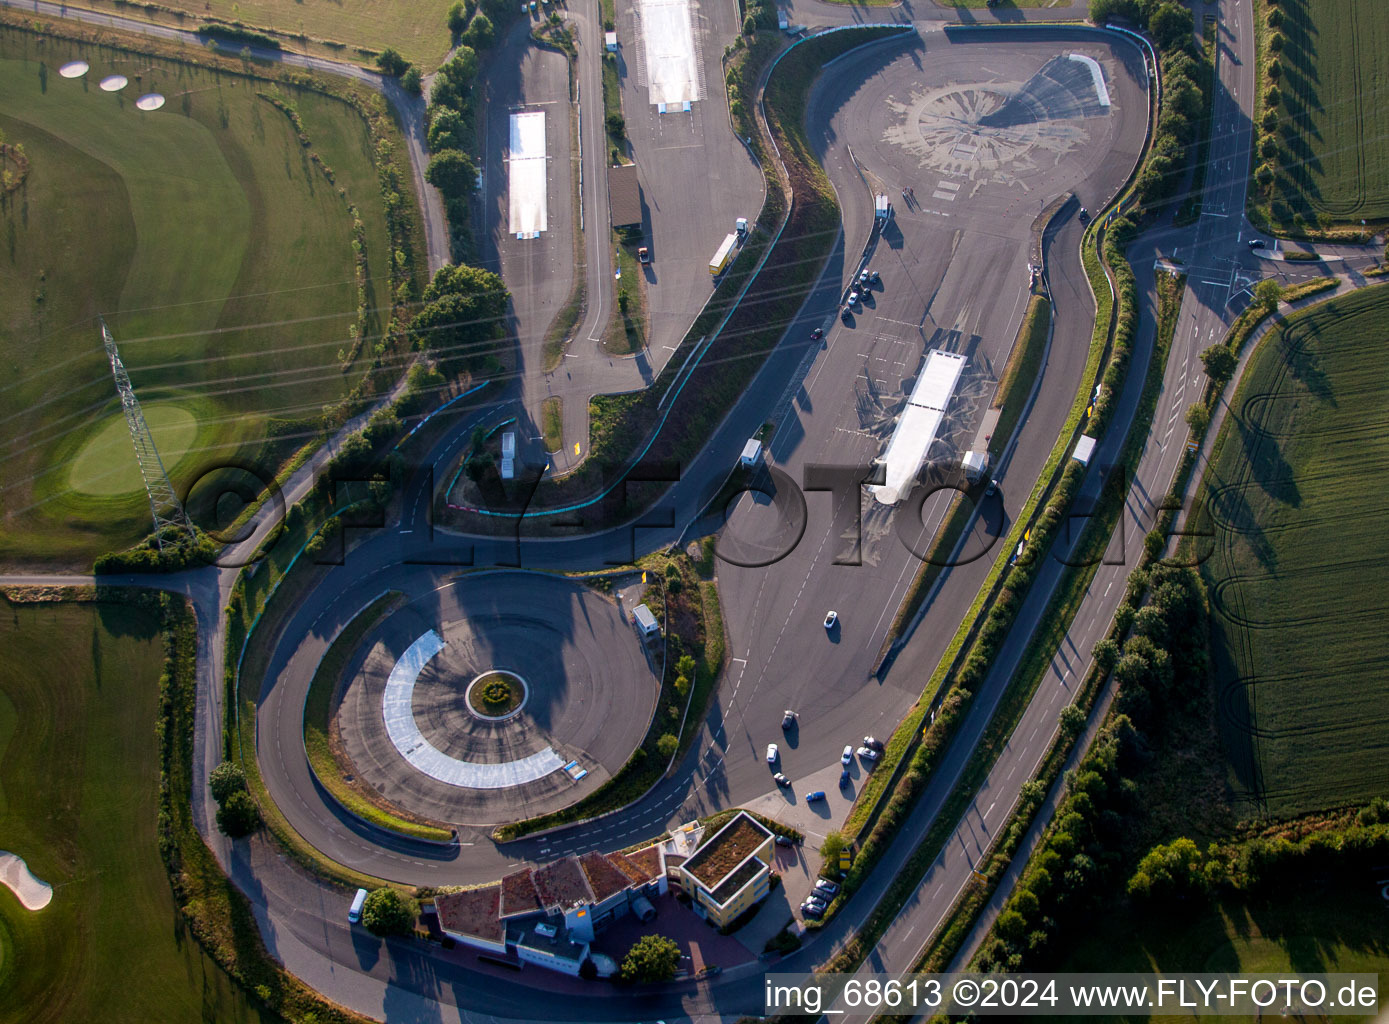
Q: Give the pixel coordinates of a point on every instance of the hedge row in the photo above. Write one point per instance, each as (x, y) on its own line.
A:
(1162, 662)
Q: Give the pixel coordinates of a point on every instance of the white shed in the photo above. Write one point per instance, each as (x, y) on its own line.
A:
(1085, 447)
(610, 41)
(646, 622)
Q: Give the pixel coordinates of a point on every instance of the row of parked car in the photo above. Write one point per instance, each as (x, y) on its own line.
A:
(814, 905)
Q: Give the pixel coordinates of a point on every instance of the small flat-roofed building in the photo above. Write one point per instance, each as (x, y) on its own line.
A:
(610, 41)
(471, 917)
(624, 196)
(646, 622)
(1085, 447)
(731, 870)
(547, 944)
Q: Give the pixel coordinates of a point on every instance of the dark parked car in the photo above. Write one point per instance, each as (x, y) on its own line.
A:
(811, 797)
(844, 778)
(817, 334)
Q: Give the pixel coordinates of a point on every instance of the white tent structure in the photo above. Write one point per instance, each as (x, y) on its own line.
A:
(917, 426)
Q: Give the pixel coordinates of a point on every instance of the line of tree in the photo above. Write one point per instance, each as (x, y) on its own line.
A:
(1185, 83)
(237, 814)
(392, 63)
(452, 121)
(1162, 663)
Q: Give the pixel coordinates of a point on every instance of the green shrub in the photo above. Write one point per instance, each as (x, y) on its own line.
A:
(651, 958)
(238, 815)
(224, 780)
(388, 912)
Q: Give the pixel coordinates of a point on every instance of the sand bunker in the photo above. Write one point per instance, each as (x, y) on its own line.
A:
(150, 101)
(32, 893)
(74, 69)
(114, 83)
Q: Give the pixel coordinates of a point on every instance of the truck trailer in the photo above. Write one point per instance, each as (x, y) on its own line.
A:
(721, 258)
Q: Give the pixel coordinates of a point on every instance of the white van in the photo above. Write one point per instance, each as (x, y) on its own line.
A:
(354, 914)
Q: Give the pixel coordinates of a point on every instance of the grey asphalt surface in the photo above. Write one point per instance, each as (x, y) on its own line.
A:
(539, 272)
(591, 691)
(768, 621)
(696, 177)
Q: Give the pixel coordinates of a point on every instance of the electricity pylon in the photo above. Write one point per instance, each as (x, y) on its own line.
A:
(165, 508)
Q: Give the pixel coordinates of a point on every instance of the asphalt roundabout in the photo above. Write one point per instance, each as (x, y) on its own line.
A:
(580, 691)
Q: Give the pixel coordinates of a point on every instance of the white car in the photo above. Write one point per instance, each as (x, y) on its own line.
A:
(771, 753)
(868, 753)
(847, 757)
(831, 618)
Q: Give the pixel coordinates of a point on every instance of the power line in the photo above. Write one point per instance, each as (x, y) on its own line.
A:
(165, 508)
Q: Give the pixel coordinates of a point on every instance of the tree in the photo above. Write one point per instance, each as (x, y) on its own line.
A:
(238, 815)
(480, 33)
(458, 20)
(446, 130)
(412, 82)
(1171, 871)
(616, 126)
(464, 280)
(452, 173)
(1267, 292)
(1170, 24)
(1220, 363)
(454, 84)
(463, 313)
(1072, 720)
(651, 958)
(1198, 418)
(1106, 654)
(831, 847)
(227, 778)
(667, 745)
(387, 912)
(391, 63)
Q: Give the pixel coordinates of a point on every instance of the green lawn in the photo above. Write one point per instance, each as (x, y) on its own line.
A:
(1298, 561)
(79, 773)
(218, 253)
(1334, 928)
(1332, 117)
(418, 29)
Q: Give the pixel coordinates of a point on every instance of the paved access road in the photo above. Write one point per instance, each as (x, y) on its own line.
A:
(302, 920)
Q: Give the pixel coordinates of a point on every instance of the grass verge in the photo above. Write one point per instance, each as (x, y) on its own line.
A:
(552, 422)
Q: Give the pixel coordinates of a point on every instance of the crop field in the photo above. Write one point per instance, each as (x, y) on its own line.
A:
(1297, 567)
(218, 252)
(1333, 115)
(79, 777)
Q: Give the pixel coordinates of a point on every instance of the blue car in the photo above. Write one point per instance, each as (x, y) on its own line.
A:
(844, 778)
(818, 794)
